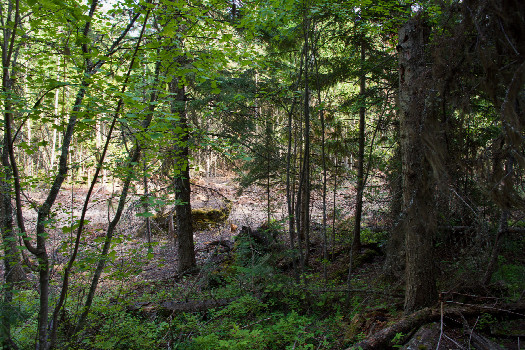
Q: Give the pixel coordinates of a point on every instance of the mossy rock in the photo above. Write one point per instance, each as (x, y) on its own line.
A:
(206, 218)
(202, 218)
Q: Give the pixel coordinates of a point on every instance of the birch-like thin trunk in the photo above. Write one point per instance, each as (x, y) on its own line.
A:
(130, 168)
(334, 211)
(56, 122)
(290, 180)
(356, 242)
(30, 159)
(303, 193)
(323, 162)
(146, 201)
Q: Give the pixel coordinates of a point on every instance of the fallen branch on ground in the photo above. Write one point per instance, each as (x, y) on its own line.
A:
(169, 307)
(382, 339)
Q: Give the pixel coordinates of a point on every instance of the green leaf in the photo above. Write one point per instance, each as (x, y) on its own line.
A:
(145, 215)
(112, 255)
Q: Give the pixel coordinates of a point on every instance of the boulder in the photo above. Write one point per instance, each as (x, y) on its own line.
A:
(202, 218)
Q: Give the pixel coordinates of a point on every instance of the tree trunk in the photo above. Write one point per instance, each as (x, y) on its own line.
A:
(181, 181)
(13, 271)
(56, 123)
(395, 249)
(291, 159)
(303, 195)
(146, 201)
(268, 144)
(323, 163)
(48, 341)
(30, 158)
(420, 220)
(289, 180)
(334, 208)
(356, 243)
(503, 227)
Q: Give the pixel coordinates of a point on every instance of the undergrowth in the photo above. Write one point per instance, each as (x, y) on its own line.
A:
(269, 306)
(270, 309)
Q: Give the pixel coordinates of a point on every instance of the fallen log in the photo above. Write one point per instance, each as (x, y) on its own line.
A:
(383, 338)
(195, 305)
(481, 343)
(407, 324)
(169, 307)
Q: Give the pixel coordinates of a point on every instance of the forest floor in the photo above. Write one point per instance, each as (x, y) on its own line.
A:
(248, 209)
(327, 313)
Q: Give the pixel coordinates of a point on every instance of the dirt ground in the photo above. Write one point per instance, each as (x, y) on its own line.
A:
(158, 260)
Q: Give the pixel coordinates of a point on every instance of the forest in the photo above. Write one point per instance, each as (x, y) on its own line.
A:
(262, 174)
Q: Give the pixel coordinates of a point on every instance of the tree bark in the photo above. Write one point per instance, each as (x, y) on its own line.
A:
(13, 271)
(395, 250)
(303, 192)
(323, 162)
(181, 181)
(145, 202)
(356, 243)
(503, 227)
(291, 180)
(418, 186)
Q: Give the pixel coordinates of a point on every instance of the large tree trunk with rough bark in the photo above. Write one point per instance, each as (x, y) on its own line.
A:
(181, 181)
(417, 180)
(394, 265)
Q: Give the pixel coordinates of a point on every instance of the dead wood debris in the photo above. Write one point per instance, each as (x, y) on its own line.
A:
(170, 307)
(407, 324)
